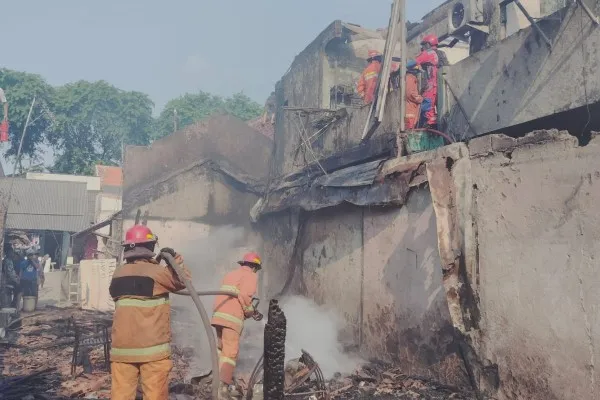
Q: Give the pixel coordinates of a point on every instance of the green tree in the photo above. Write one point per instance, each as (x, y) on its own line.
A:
(93, 122)
(185, 110)
(193, 107)
(20, 89)
(243, 107)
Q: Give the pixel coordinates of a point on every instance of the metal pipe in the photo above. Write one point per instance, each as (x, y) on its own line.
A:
(390, 47)
(589, 12)
(533, 23)
(205, 320)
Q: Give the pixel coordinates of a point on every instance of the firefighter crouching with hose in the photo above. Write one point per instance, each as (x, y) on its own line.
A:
(141, 331)
(229, 316)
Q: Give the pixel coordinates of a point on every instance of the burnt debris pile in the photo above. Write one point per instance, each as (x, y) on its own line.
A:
(382, 381)
(74, 343)
(274, 353)
(35, 384)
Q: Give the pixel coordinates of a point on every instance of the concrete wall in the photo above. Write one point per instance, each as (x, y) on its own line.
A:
(92, 182)
(519, 79)
(200, 178)
(191, 205)
(94, 280)
(405, 315)
(538, 229)
(223, 139)
(505, 259)
(379, 270)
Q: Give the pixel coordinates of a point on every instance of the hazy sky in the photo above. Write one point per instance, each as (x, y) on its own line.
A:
(167, 48)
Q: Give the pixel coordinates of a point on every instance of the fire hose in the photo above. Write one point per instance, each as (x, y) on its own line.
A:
(205, 320)
(195, 295)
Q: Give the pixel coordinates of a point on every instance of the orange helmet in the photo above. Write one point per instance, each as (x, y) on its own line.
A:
(138, 234)
(251, 258)
(373, 54)
(431, 39)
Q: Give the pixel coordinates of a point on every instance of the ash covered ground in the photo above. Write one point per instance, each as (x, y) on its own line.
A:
(36, 364)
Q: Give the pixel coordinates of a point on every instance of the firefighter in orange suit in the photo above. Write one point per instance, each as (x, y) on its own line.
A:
(413, 98)
(367, 84)
(141, 331)
(229, 315)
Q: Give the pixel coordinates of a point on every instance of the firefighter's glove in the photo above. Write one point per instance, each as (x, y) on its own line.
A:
(257, 316)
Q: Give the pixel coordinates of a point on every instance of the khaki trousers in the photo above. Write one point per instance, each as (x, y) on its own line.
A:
(154, 376)
(228, 344)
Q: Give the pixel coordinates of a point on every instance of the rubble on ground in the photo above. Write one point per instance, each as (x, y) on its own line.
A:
(36, 364)
(36, 361)
(382, 381)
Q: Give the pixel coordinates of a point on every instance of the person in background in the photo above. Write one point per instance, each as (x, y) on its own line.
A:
(29, 276)
(429, 61)
(413, 97)
(4, 105)
(10, 275)
(367, 84)
(40, 269)
(46, 261)
(229, 316)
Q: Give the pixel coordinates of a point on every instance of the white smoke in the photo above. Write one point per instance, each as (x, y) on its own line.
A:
(208, 257)
(316, 329)
(310, 327)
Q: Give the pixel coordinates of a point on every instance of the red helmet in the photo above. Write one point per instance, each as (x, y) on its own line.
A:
(373, 54)
(431, 39)
(251, 258)
(139, 234)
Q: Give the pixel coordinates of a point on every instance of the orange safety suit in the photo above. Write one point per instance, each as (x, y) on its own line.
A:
(367, 84)
(429, 60)
(413, 101)
(229, 315)
(141, 331)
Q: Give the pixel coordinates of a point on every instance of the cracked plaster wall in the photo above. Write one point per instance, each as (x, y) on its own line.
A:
(538, 231)
(378, 269)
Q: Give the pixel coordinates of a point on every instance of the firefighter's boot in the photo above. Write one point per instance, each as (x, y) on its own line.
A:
(234, 393)
(224, 392)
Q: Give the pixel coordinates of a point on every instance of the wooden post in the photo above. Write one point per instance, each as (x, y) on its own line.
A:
(402, 39)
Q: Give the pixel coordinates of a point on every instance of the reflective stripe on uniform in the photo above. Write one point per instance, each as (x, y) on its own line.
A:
(230, 288)
(144, 351)
(249, 308)
(227, 360)
(142, 302)
(371, 75)
(228, 317)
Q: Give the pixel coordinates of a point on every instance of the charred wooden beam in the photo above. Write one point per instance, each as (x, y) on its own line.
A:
(274, 353)
(380, 147)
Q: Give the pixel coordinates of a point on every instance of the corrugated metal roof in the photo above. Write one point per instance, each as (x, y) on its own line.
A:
(36, 222)
(46, 205)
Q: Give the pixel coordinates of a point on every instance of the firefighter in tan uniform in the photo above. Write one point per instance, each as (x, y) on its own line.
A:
(229, 316)
(141, 331)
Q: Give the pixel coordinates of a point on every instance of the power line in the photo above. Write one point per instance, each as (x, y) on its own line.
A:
(18, 157)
